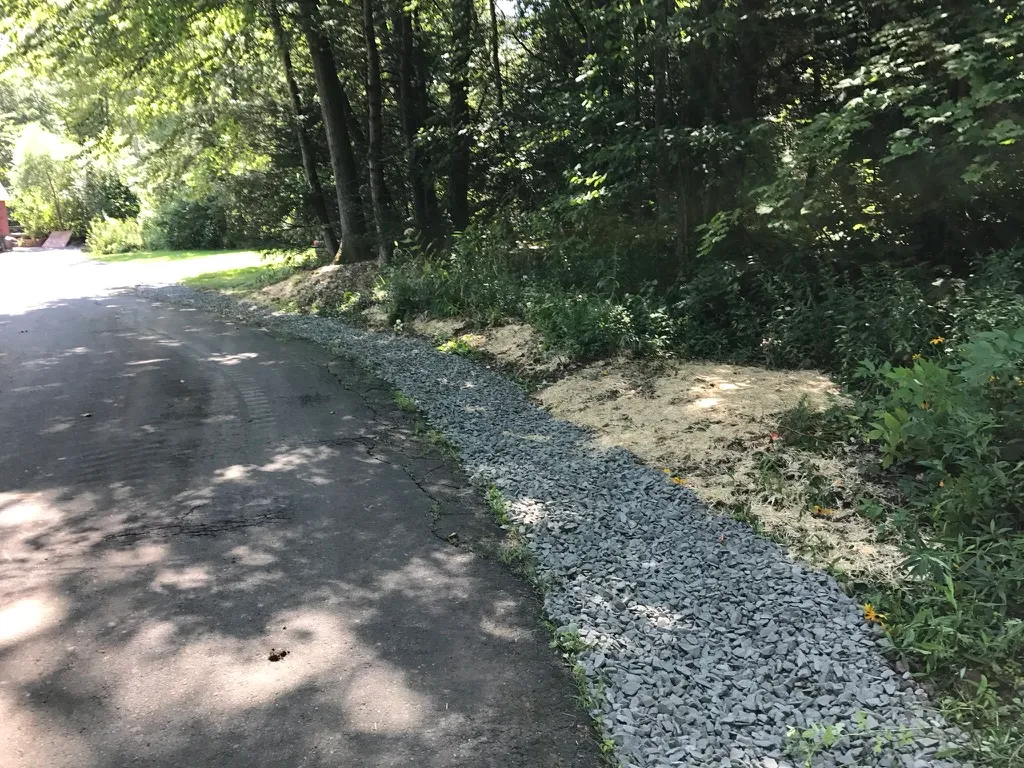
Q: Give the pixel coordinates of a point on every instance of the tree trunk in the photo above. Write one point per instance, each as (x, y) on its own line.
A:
(333, 101)
(412, 86)
(458, 87)
(496, 63)
(375, 139)
(317, 200)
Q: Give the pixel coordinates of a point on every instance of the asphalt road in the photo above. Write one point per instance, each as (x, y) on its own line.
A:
(181, 500)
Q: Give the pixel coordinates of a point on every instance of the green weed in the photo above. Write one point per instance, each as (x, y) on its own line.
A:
(460, 346)
(405, 403)
(498, 505)
(568, 641)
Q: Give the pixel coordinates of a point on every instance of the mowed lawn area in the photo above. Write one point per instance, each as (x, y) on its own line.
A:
(155, 257)
(242, 279)
(235, 271)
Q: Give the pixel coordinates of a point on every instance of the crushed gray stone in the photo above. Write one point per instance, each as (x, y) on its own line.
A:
(707, 644)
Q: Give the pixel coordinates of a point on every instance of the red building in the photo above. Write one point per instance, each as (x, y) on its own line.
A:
(5, 225)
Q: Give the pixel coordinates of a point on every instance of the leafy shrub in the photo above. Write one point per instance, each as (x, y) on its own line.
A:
(990, 297)
(952, 426)
(58, 186)
(885, 314)
(461, 346)
(182, 224)
(588, 327)
(45, 180)
(465, 281)
(114, 236)
(584, 327)
(725, 316)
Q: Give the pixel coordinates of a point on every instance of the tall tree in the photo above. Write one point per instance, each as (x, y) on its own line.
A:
(334, 108)
(317, 200)
(499, 86)
(413, 78)
(458, 107)
(375, 139)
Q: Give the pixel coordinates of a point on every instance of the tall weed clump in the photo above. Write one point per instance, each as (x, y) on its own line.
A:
(950, 426)
(111, 236)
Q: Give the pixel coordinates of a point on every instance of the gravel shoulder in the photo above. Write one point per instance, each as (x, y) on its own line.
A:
(700, 642)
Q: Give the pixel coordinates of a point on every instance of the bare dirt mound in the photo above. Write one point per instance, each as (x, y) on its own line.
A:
(324, 287)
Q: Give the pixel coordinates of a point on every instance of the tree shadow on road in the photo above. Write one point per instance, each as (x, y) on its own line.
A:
(179, 498)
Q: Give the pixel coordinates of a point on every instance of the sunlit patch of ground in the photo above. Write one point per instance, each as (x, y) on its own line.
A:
(709, 425)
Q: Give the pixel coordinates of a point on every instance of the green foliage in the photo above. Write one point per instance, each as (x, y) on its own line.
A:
(585, 327)
(113, 236)
(807, 743)
(57, 185)
(406, 403)
(461, 346)
(809, 429)
(474, 280)
(182, 224)
(568, 642)
(44, 180)
(241, 280)
(498, 505)
(951, 427)
(956, 420)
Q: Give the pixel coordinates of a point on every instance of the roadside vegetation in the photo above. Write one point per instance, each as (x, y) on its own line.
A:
(784, 184)
(271, 268)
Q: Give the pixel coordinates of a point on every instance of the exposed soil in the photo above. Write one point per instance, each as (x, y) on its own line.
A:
(711, 426)
(323, 287)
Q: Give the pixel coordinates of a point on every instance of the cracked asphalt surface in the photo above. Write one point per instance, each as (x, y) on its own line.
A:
(182, 500)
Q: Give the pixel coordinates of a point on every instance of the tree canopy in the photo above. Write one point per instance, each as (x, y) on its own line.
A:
(825, 130)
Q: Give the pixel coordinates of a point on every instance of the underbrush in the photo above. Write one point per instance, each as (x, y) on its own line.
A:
(947, 436)
(113, 236)
(593, 299)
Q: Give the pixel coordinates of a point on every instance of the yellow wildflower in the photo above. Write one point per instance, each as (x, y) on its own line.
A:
(679, 480)
(870, 614)
(937, 340)
(916, 356)
(667, 471)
